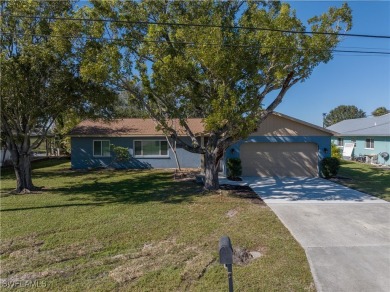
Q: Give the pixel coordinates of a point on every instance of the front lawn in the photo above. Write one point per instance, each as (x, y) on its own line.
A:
(138, 231)
(366, 178)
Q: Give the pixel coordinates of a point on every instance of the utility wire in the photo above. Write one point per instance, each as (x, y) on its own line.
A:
(356, 55)
(363, 48)
(206, 25)
(196, 44)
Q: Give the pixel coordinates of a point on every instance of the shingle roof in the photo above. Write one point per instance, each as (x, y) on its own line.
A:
(372, 126)
(129, 127)
(147, 127)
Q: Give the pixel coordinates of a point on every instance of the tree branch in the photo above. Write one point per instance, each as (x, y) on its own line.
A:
(8, 130)
(286, 85)
(161, 120)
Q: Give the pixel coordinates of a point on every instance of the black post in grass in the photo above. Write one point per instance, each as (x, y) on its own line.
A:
(226, 258)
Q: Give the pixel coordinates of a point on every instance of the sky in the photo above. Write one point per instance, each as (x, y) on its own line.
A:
(349, 78)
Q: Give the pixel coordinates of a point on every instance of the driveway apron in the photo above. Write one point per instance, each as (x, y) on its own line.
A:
(345, 233)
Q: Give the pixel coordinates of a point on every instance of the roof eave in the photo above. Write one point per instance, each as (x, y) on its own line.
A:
(124, 136)
(361, 134)
(333, 133)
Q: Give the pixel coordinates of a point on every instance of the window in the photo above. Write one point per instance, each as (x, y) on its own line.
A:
(101, 148)
(340, 142)
(370, 143)
(150, 148)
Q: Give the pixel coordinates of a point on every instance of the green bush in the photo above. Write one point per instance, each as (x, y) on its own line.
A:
(234, 169)
(121, 153)
(330, 166)
(336, 152)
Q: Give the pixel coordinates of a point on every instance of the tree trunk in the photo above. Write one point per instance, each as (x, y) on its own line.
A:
(22, 167)
(173, 148)
(211, 171)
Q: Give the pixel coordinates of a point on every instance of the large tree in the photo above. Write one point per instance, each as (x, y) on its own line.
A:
(40, 77)
(229, 62)
(341, 113)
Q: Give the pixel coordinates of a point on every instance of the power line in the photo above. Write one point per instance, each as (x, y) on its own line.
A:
(357, 55)
(344, 47)
(207, 25)
(360, 52)
(196, 44)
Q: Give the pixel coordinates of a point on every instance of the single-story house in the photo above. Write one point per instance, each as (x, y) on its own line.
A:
(149, 148)
(370, 137)
(280, 146)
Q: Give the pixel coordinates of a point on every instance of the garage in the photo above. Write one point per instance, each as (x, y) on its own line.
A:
(282, 146)
(279, 159)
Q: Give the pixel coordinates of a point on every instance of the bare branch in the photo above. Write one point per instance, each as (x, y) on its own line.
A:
(286, 85)
(7, 129)
(42, 136)
(267, 89)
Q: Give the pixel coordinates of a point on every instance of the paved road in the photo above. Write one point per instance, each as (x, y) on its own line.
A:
(345, 233)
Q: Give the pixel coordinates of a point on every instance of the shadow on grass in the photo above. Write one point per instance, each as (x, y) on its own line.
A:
(9, 173)
(366, 178)
(51, 206)
(153, 186)
(133, 187)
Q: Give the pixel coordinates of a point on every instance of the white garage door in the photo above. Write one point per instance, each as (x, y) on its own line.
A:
(279, 159)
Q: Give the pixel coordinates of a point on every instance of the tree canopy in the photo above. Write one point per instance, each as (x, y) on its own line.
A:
(380, 111)
(178, 58)
(343, 112)
(228, 62)
(40, 69)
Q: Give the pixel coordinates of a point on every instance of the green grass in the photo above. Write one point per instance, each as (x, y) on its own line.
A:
(139, 231)
(366, 178)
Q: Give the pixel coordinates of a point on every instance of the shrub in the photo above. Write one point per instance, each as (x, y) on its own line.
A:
(121, 154)
(330, 166)
(234, 169)
(336, 152)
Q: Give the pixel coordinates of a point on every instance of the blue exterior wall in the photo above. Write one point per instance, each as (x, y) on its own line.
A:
(323, 142)
(381, 144)
(82, 155)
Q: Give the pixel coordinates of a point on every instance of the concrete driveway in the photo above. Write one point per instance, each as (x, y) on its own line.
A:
(345, 233)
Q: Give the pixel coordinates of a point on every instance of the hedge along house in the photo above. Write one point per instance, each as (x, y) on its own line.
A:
(370, 136)
(149, 148)
(282, 146)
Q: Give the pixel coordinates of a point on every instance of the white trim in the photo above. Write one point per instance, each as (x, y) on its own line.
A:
(93, 148)
(151, 156)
